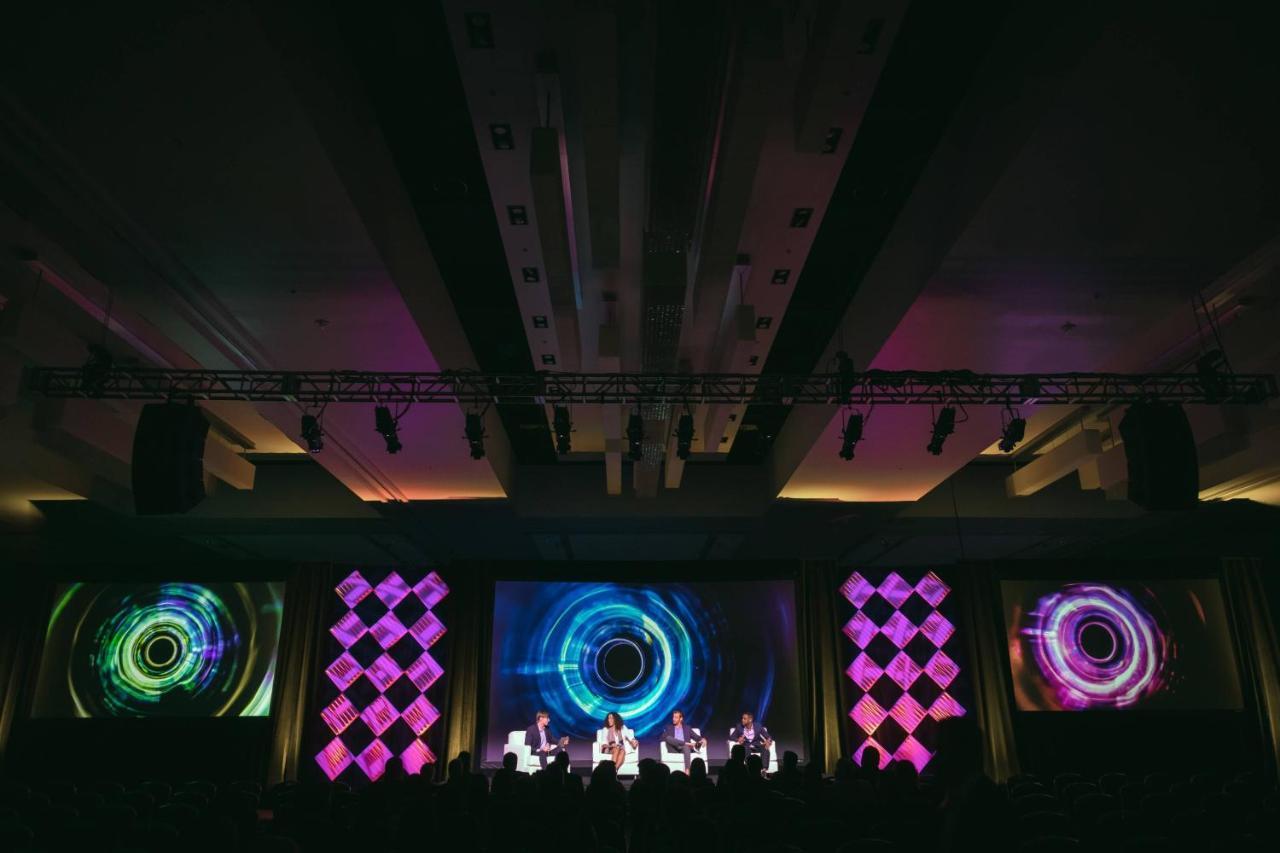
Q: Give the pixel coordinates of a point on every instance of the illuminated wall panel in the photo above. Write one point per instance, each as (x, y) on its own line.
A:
(904, 672)
(376, 707)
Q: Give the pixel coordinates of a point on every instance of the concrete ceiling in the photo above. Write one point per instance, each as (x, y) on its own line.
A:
(608, 186)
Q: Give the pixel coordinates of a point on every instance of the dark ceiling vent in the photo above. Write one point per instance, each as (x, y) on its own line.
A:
(832, 140)
(480, 30)
(546, 62)
(871, 35)
(502, 137)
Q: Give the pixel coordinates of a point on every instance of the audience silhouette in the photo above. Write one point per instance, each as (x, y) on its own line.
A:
(953, 806)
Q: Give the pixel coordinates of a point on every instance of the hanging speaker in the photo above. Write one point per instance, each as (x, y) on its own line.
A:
(1160, 450)
(168, 458)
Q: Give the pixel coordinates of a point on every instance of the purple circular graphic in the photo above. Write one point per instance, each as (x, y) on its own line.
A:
(1120, 661)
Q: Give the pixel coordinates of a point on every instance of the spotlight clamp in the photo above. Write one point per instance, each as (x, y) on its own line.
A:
(475, 434)
(1013, 429)
(872, 387)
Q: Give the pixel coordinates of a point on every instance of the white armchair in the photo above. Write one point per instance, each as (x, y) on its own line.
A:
(674, 758)
(774, 752)
(526, 761)
(526, 758)
(630, 762)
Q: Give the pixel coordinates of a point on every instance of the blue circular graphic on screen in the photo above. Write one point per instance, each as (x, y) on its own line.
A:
(630, 650)
(620, 662)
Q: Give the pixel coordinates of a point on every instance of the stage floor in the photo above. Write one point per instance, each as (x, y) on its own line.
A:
(582, 769)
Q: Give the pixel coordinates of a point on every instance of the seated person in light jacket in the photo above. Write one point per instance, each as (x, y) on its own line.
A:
(680, 737)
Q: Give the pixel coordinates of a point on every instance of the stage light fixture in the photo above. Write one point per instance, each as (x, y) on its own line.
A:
(684, 436)
(1012, 432)
(312, 434)
(475, 434)
(844, 367)
(1211, 367)
(851, 436)
(96, 371)
(943, 426)
(387, 427)
(635, 437)
(563, 426)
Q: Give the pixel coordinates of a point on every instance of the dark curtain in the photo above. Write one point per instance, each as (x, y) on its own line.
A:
(1256, 639)
(302, 632)
(23, 616)
(467, 624)
(983, 625)
(820, 655)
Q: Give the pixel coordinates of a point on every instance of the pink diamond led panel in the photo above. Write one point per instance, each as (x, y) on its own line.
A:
(904, 672)
(374, 700)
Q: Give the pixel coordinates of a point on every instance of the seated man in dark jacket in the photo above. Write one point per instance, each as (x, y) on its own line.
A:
(539, 738)
(680, 737)
(755, 738)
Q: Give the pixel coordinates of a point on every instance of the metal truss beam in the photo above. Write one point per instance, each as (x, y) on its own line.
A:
(875, 387)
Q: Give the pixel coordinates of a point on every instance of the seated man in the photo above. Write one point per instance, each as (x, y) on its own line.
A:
(681, 738)
(755, 739)
(539, 738)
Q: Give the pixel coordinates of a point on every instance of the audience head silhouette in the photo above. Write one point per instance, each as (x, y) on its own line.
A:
(951, 807)
(959, 749)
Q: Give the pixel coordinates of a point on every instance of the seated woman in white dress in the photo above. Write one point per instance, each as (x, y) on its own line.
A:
(618, 739)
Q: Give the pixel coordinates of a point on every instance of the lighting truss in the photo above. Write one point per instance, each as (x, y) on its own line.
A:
(874, 387)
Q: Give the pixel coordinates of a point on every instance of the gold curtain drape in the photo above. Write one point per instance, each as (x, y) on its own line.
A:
(977, 590)
(819, 637)
(467, 626)
(297, 666)
(22, 624)
(1256, 638)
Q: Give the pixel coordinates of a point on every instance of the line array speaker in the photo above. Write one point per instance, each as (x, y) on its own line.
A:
(1164, 471)
(168, 458)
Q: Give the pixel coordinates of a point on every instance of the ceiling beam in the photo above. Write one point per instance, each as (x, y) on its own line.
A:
(315, 60)
(899, 249)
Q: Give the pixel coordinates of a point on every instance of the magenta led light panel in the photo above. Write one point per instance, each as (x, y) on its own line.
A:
(903, 666)
(381, 672)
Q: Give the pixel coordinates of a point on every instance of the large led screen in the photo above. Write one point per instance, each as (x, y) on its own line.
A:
(160, 650)
(581, 650)
(1119, 645)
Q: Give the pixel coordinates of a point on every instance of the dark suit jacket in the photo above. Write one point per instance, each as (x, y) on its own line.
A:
(757, 742)
(533, 741)
(669, 733)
